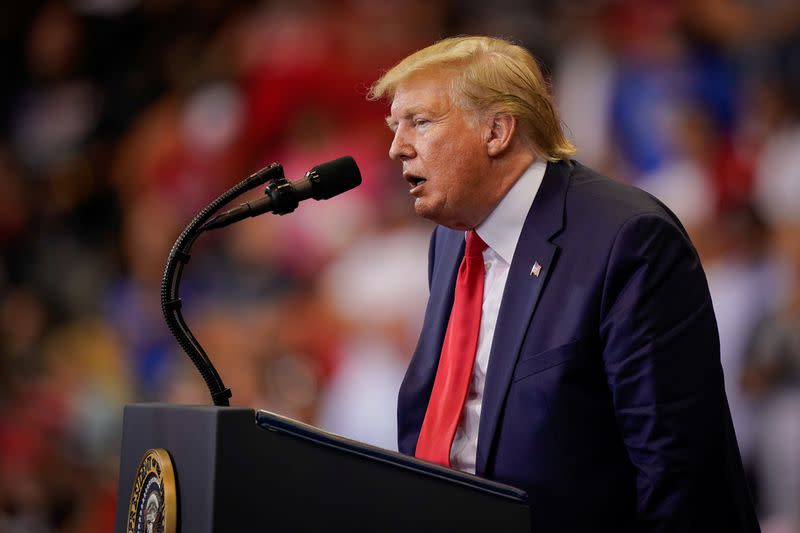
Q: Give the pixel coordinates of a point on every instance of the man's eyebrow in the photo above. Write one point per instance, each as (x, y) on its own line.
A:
(392, 123)
(415, 110)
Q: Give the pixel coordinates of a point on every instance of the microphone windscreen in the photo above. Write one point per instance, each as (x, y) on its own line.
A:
(334, 177)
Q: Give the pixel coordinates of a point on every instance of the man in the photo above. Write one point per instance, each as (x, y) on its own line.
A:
(572, 349)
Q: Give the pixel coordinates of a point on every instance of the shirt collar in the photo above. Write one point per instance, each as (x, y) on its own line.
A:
(502, 228)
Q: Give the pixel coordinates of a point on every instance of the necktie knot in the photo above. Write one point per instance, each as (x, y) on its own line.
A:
(475, 245)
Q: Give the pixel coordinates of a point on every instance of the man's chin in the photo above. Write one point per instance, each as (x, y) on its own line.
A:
(439, 215)
(424, 209)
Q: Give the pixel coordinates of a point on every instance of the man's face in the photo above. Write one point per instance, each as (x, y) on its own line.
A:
(443, 151)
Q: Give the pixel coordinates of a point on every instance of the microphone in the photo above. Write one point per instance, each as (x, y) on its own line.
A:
(282, 196)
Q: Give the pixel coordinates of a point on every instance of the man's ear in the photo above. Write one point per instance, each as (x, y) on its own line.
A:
(500, 133)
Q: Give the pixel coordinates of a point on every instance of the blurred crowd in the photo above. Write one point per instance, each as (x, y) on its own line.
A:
(121, 119)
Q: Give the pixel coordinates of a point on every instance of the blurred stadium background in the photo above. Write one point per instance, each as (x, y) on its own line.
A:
(120, 119)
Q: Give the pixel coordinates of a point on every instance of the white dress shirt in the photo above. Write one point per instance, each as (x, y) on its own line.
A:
(500, 231)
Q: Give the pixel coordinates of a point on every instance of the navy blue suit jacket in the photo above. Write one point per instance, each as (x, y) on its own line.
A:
(604, 396)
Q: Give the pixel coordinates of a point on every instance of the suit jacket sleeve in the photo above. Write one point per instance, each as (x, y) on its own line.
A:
(661, 355)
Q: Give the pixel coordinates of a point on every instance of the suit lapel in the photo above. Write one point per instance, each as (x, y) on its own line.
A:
(521, 294)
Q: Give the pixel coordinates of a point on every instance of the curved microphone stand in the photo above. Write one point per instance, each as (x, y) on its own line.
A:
(170, 283)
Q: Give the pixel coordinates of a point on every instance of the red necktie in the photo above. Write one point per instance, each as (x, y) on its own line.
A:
(458, 356)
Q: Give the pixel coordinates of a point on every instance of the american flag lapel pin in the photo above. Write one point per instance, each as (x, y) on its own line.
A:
(537, 269)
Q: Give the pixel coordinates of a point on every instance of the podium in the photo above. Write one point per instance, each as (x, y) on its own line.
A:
(240, 470)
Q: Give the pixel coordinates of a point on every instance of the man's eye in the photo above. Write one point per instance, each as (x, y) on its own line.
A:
(421, 121)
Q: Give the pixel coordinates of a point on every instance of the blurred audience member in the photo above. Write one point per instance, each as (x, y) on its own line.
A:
(742, 279)
(379, 293)
(772, 377)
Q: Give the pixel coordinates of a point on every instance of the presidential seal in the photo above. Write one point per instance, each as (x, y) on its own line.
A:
(154, 506)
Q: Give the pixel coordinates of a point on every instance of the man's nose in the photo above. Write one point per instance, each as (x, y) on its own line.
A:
(400, 149)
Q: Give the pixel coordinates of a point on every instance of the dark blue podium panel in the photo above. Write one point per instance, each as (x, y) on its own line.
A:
(237, 470)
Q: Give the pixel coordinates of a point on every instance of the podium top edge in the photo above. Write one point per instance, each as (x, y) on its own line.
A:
(274, 422)
(267, 420)
(186, 407)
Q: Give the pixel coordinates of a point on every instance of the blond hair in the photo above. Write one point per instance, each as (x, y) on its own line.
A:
(493, 76)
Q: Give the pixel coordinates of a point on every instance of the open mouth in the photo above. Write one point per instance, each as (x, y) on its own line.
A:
(414, 181)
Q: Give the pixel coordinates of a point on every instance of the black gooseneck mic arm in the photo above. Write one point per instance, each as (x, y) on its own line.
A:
(282, 196)
(170, 283)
